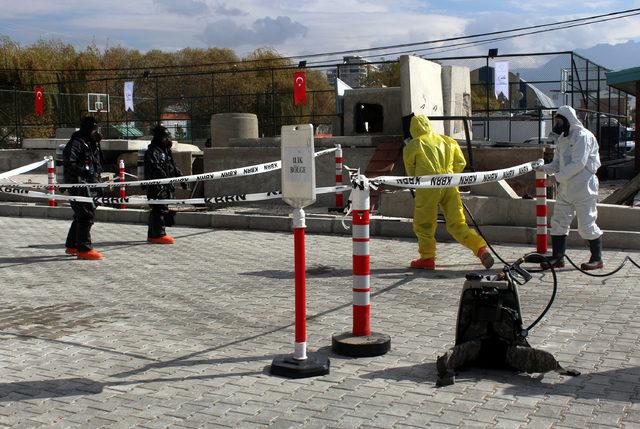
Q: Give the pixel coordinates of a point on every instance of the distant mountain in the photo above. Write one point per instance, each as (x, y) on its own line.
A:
(614, 57)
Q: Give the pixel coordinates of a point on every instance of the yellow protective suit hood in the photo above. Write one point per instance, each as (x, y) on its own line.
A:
(431, 153)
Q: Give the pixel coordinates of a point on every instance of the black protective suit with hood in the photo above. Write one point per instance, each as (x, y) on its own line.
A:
(159, 164)
(82, 164)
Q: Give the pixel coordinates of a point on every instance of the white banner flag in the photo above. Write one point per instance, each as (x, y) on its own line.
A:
(128, 96)
(501, 79)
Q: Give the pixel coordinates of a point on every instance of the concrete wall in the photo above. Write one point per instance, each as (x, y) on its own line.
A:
(216, 159)
(514, 212)
(357, 151)
(456, 98)
(14, 158)
(421, 85)
(495, 158)
(388, 98)
(107, 145)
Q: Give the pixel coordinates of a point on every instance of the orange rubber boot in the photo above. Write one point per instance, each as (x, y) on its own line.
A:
(485, 257)
(90, 255)
(71, 251)
(424, 264)
(165, 239)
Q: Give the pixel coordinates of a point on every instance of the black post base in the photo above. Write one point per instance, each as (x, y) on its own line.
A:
(347, 344)
(286, 366)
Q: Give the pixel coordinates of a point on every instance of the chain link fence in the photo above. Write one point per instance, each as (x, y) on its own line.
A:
(538, 84)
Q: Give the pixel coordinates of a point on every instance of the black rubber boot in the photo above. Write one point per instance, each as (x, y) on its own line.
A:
(595, 261)
(559, 247)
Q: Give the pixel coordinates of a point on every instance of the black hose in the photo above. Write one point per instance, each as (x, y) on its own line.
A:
(624, 261)
(618, 268)
(542, 258)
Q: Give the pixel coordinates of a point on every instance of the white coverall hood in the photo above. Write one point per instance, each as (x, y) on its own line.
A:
(570, 113)
(574, 164)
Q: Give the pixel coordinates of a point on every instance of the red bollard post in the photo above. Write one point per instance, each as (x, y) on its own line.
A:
(541, 213)
(51, 180)
(300, 365)
(300, 268)
(123, 192)
(361, 342)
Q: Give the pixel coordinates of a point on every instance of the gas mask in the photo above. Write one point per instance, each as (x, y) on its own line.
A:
(560, 125)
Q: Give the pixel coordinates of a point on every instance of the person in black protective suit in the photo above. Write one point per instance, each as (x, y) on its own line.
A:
(83, 164)
(159, 164)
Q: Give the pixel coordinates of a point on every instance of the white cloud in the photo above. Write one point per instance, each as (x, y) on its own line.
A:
(183, 7)
(265, 31)
(307, 26)
(223, 9)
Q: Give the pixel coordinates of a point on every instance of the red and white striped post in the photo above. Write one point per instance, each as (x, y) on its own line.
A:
(121, 171)
(339, 196)
(361, 342)
(51, 180)
(541, 213)
(361, 263)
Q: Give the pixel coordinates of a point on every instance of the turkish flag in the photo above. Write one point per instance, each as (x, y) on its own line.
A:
(39, 101)
(299, 88)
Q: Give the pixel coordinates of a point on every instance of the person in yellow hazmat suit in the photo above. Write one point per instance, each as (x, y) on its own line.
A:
(430, 153)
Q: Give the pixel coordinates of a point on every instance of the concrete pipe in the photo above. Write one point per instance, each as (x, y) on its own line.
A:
(225, 126)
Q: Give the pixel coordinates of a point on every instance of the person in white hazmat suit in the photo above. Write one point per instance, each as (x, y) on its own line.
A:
(574, 165)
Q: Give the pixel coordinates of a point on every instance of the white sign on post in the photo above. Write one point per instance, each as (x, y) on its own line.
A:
(298, 165)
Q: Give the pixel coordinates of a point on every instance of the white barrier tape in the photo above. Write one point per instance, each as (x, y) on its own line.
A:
(23, 169)
(141, 201)
(214, 175)
(459, 179)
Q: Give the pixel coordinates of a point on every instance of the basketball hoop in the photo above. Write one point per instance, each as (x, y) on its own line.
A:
(97, 103)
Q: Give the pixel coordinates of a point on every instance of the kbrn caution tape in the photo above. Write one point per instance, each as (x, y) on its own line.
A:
(459, 179)
(141, 201)
(236, 172)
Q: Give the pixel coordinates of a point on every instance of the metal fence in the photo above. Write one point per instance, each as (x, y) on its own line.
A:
(538, 83)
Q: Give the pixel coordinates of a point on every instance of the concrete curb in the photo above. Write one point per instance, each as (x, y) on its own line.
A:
(316, 224)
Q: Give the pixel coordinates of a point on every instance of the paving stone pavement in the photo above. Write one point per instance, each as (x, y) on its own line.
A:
(181, 336)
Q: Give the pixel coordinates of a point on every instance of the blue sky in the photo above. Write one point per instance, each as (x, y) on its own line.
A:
(303, 26)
